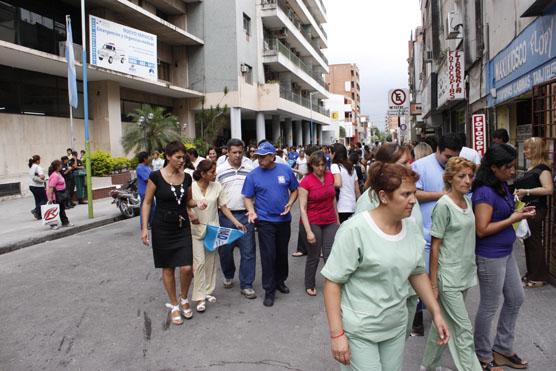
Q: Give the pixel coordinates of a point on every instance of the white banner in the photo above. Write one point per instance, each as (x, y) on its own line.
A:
(123, 49)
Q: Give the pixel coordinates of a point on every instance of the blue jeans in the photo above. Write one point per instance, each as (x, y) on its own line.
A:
(246, 250)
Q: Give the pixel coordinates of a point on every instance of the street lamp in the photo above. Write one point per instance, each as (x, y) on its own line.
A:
(143, 122)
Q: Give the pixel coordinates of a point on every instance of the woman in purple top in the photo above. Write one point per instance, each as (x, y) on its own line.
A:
(497, 270)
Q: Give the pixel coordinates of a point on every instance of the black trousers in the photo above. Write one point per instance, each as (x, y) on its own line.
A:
(344, 216)
(61, 197)
(39, 194)
(535, 249)
(274, 238)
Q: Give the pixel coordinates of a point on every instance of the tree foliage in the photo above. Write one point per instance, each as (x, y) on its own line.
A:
(153, 130)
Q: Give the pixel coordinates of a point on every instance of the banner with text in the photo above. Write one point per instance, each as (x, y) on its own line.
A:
(451, 83)
(123, 49)
(479, 133)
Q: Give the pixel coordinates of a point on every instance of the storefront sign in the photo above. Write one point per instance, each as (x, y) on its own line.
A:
(123, 49)
(416, 109)
(527, 61)
(479, 133)
(451, 83)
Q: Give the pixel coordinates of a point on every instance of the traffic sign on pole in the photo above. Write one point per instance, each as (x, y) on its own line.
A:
(398, 102)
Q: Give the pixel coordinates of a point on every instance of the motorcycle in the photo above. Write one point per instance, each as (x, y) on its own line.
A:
(127, 198)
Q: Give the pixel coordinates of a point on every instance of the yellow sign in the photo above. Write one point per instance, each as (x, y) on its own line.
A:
(335, 116)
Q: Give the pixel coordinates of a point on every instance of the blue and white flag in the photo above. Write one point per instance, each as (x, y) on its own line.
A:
(70, 58)
(219, 236)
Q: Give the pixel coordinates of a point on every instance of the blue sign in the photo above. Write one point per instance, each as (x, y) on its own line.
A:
(527, 61)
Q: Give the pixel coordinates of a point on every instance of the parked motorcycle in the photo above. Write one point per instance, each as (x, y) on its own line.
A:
(127, 198)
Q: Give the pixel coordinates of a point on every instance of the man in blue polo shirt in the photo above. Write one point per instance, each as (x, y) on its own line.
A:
(270, 190)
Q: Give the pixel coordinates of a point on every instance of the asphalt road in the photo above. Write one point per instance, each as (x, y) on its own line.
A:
(93, 301)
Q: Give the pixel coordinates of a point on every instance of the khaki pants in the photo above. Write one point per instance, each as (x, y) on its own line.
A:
(461, 343)
(204, 271)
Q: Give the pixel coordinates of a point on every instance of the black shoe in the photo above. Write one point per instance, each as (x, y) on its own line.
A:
(418, 329)
(283, 288)
(268, 300)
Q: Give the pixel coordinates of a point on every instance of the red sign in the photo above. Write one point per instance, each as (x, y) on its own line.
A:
(479, 133)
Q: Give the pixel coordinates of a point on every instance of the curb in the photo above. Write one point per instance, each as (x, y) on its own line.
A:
(61, 233)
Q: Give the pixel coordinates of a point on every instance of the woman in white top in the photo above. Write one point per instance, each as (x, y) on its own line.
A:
(157, 163)
(345, 181)
(206, 189)
(36, 185)
(301, 168)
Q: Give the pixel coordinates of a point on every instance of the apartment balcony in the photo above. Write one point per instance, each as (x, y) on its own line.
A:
(317, 9)
(272, 98)
(135, 16)
(282, 59)
(276, 17)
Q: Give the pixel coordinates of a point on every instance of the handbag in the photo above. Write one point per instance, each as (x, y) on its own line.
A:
(50, 214)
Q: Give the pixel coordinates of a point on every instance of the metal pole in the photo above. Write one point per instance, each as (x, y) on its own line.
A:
(72, 135)
(86, 114)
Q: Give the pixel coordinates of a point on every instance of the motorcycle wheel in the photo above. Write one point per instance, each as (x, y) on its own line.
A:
(126, 210)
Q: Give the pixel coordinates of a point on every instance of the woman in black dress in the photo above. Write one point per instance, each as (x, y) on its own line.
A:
(171, 232)
(533, 188)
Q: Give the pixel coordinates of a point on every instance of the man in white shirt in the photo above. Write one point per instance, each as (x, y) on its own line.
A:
(231, 174)
(194, 157)
(468, 153)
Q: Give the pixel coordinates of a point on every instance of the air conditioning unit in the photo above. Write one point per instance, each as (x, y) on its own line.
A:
(244, 68)
(455, 26)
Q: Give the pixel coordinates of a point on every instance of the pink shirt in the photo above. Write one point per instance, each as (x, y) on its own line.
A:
(320, 200)
(56, 181)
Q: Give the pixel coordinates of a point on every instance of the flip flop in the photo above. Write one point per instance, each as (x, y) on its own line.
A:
(297, 254)
(308, 291)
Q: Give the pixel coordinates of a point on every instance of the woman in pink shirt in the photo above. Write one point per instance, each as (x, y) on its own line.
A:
(317, 200)
(56, 191)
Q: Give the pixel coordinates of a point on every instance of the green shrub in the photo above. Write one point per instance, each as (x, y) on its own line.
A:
(133, 162)
(101, 163)
(120, 163)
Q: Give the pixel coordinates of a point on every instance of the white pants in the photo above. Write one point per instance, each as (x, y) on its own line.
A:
(204, 271)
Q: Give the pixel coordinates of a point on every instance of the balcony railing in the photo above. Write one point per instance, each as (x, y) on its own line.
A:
(303, 101)
(271, 4)
(275, 45)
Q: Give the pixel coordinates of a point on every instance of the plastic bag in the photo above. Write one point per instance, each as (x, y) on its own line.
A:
(522, 231)
(50, 214)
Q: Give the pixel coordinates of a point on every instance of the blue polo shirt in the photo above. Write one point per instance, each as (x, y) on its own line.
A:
(271, 190)
(143, 172)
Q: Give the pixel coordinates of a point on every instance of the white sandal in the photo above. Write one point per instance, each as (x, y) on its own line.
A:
(175, 309)
(211, 299)
(201, 306)
(187, 313)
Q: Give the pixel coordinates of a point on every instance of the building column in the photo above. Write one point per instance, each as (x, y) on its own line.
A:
(276, 129)
(186, 116)
(319, 134)
(261, 130)
(235, 122)
(289, 132)
(106, 131)
(307, 134)
(298, 133)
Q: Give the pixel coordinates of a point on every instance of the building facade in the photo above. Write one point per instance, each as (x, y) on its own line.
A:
(34, 109)
(268, 56)
(343, 79)
(507, 70)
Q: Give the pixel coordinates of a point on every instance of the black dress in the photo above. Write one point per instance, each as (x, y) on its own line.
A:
(171, 232)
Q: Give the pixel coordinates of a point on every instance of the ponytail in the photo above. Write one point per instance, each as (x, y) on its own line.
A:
(33, 160)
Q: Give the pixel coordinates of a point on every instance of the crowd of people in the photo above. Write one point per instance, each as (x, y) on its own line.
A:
(400, 228)
(61, 184)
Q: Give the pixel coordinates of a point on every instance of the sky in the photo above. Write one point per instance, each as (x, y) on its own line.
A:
(373, 34)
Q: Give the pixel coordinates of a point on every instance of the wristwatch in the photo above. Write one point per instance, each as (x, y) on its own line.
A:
(528, 192)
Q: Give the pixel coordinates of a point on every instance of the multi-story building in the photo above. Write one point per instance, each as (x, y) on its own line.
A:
(343, 79)
(268, 55)
(34, 109)
(341, 126)
(487, 58)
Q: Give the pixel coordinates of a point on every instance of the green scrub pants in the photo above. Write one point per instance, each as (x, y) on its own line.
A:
(461, 345)
(369, 356)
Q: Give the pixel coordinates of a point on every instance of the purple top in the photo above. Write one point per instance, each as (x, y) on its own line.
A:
(500, 244)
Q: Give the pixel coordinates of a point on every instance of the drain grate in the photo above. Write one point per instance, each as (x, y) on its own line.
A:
(10, 189)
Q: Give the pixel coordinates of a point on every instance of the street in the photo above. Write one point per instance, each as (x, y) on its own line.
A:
(93, 301)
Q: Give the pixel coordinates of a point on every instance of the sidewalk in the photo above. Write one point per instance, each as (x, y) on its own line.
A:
(19, 229)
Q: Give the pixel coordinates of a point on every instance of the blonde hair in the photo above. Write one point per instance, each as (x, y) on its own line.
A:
(539, 152)
(454, 166)
(421, 150)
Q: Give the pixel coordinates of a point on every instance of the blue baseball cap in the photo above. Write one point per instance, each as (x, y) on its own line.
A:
(265, 148)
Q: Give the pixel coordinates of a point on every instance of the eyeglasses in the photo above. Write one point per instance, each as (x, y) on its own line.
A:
(252, 151)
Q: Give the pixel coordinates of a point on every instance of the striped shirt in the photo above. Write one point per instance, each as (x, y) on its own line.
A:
(232, 180)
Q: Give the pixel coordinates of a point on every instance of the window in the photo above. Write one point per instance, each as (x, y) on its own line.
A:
(247, 72)
(247, 25)
(128, 106)
(163, 71)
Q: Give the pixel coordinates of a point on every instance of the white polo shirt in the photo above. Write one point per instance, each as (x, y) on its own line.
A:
(232, 180)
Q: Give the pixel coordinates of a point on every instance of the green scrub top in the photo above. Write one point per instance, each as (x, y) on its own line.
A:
(369, 201)
(374, 268)
(455, 226)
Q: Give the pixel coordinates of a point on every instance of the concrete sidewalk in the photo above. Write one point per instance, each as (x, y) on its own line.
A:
(19, 229)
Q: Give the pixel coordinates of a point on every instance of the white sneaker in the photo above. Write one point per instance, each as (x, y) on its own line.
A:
(54, 227)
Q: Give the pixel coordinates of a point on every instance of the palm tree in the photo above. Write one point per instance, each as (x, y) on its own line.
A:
(153, 129)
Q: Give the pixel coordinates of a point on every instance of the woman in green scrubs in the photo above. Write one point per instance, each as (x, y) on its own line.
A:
(452, 266)
(376, 256)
